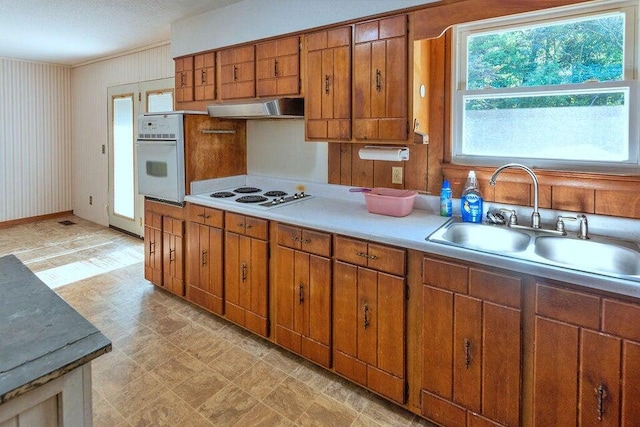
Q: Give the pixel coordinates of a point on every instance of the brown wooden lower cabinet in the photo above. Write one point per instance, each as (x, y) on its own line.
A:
(471, 345)
(205, 262)
(246, 279)
(586, 359)
(370, 328)
(164, 246)
(303, 293)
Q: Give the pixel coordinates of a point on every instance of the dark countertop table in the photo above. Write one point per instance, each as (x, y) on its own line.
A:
(41, 336)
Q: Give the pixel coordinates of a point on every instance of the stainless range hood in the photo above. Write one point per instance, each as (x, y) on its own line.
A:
(272, 108)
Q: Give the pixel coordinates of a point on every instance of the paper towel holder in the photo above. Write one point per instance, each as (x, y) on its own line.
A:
(382, 152)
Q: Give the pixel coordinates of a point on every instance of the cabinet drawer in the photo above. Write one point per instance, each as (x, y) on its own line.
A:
(621, 319)
(379, 257)
(153, 220)
(350, 250)
(495, 287)
(247, 225)
(568, 306)
(314, 242)
(445, 275)
(207, 216)
(172, 226)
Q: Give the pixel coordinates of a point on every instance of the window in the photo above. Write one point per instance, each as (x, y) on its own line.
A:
(553, 91)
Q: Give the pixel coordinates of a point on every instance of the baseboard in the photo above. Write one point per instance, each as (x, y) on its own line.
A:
(11, 223)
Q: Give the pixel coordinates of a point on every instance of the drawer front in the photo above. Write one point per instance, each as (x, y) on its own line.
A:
(289, 236)
(234, 222)
(351, 251)
(389, 260)
(494, 287)
(621, 319)
(316, 242)
(568, 306)
(256, 227)
(445, 275)
(207, 216)
(172, 226)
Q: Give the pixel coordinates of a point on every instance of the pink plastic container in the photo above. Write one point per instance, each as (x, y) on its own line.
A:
(390, 201)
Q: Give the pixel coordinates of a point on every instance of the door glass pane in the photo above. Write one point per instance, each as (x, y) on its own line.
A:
(159, 102)
(123, 180)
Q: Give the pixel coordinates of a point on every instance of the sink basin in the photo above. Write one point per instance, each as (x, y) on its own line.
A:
(486, 237)
(589, 255)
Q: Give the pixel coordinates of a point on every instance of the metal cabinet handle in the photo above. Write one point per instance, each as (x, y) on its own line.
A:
(365, 313)
(244, 272)
(240, 225)
(182, 79)
(300, 293)
(204, 76)
(235, 73)
(365, 255)
(247, 226)
(275, 68)
(204, 258)
(172, 256)
(152, 248)
(601, 397)
(467, 353)
(326, 84)
(378, 80)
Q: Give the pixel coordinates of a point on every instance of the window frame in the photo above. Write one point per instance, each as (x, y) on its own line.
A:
(548, 16)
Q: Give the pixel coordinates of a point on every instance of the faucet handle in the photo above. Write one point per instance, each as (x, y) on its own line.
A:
(560, 223)
(584, 227)
(513, 218)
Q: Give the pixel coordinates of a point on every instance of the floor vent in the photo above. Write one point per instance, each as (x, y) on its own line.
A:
(67, 222)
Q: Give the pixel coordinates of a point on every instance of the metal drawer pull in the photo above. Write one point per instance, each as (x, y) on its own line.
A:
(152, 248)
(204, 258)
(364, 255)
(378, 77)
(204, 76)
(275, 68)
(300, 293)
(365, 313)
(601, 396)
(467, 353)
(244, 272)
(326, 84)
(172, 253)
(218, 131)
(235, 73)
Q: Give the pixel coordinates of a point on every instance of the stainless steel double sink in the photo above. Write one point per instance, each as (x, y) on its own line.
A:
(599, 255)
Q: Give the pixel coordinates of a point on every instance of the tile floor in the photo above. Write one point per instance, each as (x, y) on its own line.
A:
(173, 364)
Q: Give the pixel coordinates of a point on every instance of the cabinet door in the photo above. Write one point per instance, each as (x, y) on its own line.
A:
(204, 76)
(173, 255)
(303, 304)
(237, 72)
(184, 79)
(153, 254)
(205, 263)
(328, 77)
(370, 328)
(246, 282)
(380, 80)
(278, 67)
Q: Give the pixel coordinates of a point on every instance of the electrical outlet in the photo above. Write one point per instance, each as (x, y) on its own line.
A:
(396, 175)
(90, 200)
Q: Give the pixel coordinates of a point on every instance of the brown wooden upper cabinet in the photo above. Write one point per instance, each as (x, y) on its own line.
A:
(204, 76)
(380, 101)
(278, 67)
(237, 72)
(328, 90)
(184, 79)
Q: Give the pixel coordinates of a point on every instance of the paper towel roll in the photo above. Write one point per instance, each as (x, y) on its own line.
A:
(392, 154)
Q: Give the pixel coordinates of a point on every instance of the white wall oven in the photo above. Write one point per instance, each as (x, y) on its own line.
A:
(160, 154)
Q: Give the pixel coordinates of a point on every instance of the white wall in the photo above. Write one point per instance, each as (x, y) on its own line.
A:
(35, 139)
(251, 20)
(277, 148)
(89, 103)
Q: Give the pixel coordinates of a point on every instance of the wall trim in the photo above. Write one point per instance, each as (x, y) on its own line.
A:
(20, 221)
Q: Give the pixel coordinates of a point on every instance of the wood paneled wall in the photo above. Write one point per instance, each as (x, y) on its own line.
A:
(35, 139)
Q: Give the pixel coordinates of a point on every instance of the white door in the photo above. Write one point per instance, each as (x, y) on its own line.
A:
(126, 103)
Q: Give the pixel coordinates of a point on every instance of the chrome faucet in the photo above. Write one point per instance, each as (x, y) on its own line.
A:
(535, 216)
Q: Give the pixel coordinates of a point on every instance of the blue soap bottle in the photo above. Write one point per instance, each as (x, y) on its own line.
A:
(471, 200)
(445, 199)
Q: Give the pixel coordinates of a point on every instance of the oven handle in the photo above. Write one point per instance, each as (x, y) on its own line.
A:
(156, 143)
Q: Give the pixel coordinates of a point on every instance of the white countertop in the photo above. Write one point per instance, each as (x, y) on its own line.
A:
(334, 209)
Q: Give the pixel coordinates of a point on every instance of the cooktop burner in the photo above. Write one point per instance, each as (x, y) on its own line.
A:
(244, 190)
(275, 193)
(251, 199)
(222, 194)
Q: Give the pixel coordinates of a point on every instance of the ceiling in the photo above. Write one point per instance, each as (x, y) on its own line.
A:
(71, 32)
